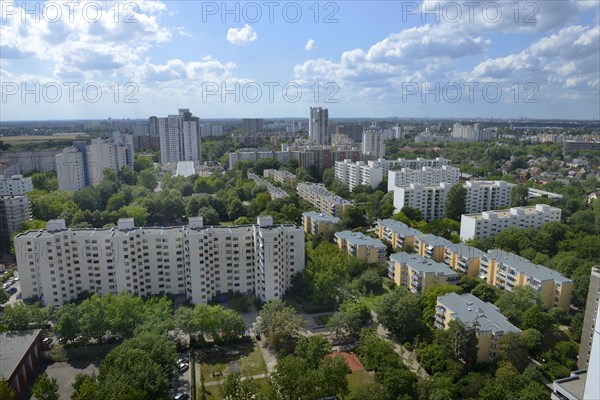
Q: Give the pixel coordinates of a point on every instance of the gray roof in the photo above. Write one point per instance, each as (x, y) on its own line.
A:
(464, 250)
(13, 347)
(423, 264)
(321, 217)
(525, 266)
(399, 228)
(470, 310)
(435, 241)
(359, 239)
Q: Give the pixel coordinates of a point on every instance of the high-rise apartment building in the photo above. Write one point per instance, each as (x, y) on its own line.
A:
(591, 311)
(359, 173)
(472, 133)
(14, 210)
(57, 264)
(15, 185)
(424, 175)
(251, 126)
(352, 131)
(70, 169)
(430, 200)
(489, 223)
(180, 137)
(372, 142)
(318, 125)
(487, 195)
(490, 325)
(81, 164)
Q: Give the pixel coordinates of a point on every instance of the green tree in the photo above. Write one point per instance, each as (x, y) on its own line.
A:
(312, 349)
(400, 313)
(4, 297)
(514, 304)
(535, 317)
(85, 387)
(354, 217)
(138, 212)
(456, 202)
(45, 388)
(235, 209)
(349, 320)
(17, 317)
(533, 391)
(280, 324)
(370, 391)
(370, 282)
(67, 325)
(93, 322)
(234, 388)
(209, 216)
(485, 292)
(142, 163)
(412, 213)
(6, 393)
(147, 178)
(519, 196)
(463, 341)
(127, 176)
(513, 349)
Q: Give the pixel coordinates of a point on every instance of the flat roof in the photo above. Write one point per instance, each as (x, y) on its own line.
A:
(423, 264)
(321, 217)
(524, 266)
(399, 228)
(574, 384)
(432, 240)
(185, 168)
(358, 239)
(471, 310)
(13, 348)
(464, 250)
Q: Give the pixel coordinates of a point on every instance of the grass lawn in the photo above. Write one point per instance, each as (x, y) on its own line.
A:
(214, 392)
(358, 379)
(249, 360)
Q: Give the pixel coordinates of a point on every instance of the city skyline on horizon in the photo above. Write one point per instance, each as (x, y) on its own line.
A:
(436, 59)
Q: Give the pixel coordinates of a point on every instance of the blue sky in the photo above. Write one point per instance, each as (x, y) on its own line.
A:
(536, 59)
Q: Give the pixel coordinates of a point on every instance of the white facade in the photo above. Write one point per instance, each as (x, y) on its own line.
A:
(472, 133)
(58, 264)
(70, 169)
(104, 154)
(424, 175)
(322, 199)
(14, 210)
(318, 125)
(489, 223)
(15, 185)
(429, 199)
(279, 175)
(359, 173)
(179, 137)
(487, 195)
(372, 142)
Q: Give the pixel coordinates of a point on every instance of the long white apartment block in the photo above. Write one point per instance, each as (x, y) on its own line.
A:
(359, 173)
(58, 263)
(15, 185)
(424, 175)
(489, 223)
(487, 195)
(430, 200)
(322, 199)
(417, 163)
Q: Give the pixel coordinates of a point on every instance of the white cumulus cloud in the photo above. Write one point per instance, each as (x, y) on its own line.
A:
(310, 45)
(241, 36)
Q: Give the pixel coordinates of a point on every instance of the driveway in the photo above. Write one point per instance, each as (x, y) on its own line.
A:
(64, 373)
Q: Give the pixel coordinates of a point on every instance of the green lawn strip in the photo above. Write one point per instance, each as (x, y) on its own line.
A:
(250, 361)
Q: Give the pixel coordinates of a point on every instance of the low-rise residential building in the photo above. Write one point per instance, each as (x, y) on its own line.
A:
(489, 223)
(58, 263)
(19, 354)
(274, 191)
(431, 246)
(280, 175)
(322, 199)
(316, 223)
(417, 273)
(424, 175)
(397, 233)
(463, 258)
(15, 185)
(507, 270)
(361, 246)
(485, 317)
(359, 173)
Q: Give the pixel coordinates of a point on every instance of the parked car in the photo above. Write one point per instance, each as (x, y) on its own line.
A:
(47, 341)
(180, 396)
(11, 290)
(182, 367)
